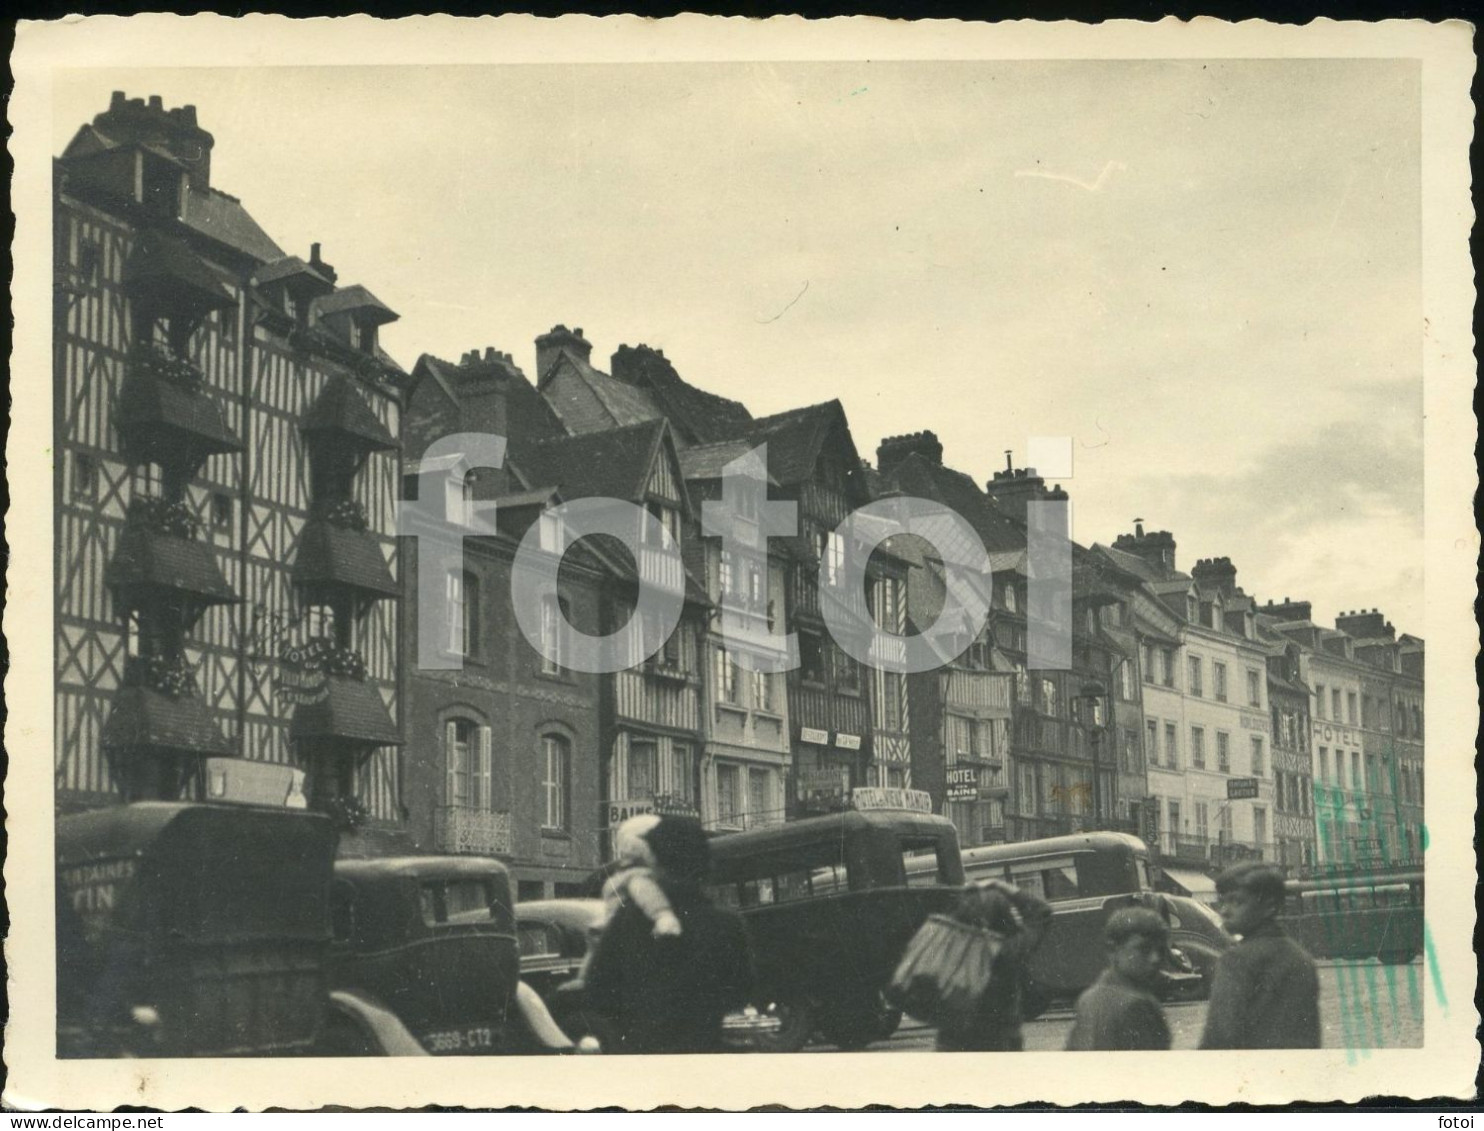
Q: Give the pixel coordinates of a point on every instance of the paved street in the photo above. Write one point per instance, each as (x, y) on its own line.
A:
(1362, 1005)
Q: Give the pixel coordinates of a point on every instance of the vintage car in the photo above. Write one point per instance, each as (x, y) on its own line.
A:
(1086, 877)
(190, 929)
(830, 904)
(424, 961)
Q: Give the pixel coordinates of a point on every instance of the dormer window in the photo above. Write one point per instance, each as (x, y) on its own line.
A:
(459, 493)
(161, 184)
(366, 337)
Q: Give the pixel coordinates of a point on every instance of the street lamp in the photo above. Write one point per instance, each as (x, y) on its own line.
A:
(1096, 694)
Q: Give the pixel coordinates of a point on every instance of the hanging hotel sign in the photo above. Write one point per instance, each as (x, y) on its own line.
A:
(889, 797)
(816, 736)
(963, 785)
(302, 673)
(847, 741)
(661, 804)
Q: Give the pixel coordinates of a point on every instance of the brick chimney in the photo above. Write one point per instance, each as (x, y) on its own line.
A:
(320, 265)
(559, 338)
(1216, 573)
(1289, 610)
(1365, 624)
(132, 121)
(894, 449)
(1013, 489)
(641, 365)
(1157, 547)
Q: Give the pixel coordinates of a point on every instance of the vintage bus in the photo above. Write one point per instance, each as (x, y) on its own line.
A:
(1358, 916)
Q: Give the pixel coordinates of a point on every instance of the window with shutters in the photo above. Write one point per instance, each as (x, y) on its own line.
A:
(728, 788)
(643, 769)
(757, 796)
(682, 782)
(1198, 747)
(466, 755)
(1254, 689)
(1223, 752)
(1151, 741)
(762, 691)
(557, 759)
(727, 690)
(1172, 746)
(1257, 758)
(1218, 680)
(454, 594)
(553, 610)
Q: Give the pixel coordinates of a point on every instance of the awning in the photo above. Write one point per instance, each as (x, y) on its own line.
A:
(339, 408)
(159, 417)
(351, 710)
(331, 555)
(142, 718)
(149, 560)
(165, 267)
(1195, 884)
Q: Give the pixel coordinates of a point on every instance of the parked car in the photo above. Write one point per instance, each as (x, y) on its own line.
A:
(424, 961)
(556, 936)
(190, 929)
(1086, 877)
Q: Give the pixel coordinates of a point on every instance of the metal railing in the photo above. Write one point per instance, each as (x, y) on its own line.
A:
(465, 830)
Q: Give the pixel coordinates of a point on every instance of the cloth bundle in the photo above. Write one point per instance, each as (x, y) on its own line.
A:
(945, 970)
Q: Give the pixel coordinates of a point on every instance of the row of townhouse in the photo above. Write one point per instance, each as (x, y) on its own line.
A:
(285, 573)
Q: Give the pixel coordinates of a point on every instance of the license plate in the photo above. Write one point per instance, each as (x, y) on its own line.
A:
(474, 1040)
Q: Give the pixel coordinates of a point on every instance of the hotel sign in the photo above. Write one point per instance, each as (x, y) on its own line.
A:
(882, 797)
(848, 741)
(815, 735)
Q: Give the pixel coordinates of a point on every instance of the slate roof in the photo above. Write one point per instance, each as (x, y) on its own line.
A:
(341, 408)
(142, 717)
(710, 460)
(150, 402)
(528, 412)
(615, 463)
(164, 262)
(356, 298)
(700, 416)
(287, 267)
(351, 709)
(216, 214)
(795, 439)
(333, 555)
(624, 404)
(147, 559)
(925, 479)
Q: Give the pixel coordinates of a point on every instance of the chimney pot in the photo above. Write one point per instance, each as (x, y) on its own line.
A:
(117, 100)
(155, 102)
(314, 253)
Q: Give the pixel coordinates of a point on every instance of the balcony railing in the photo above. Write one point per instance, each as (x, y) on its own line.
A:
(172, 518)
(1215, 851)
(465, 830)
(169, 675)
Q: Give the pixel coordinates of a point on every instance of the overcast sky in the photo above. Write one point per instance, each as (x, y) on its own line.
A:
(1208, 275)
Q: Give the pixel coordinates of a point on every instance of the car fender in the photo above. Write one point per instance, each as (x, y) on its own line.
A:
(538, 1020)
(378, 1022)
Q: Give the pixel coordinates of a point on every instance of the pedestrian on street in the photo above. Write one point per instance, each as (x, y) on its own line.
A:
(1266, 991)
(1119, 1010)
(669, 993)
(1020, 918)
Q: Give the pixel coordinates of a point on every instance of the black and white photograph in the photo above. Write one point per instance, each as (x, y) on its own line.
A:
(567, 541)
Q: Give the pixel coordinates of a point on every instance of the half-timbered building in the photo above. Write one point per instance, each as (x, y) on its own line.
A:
(226, 439)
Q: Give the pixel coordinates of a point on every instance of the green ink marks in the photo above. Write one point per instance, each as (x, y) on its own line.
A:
(1437, 970)
(861, 90)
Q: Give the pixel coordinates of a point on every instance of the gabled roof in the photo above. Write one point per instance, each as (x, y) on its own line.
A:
(340, 408)
(288, 267)
(527, 411)
(222, 217)
(796, 438)
(616, 463)
(147, 560)
(624, 404)
(356, 299)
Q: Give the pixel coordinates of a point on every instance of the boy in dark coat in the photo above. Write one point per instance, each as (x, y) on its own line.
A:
(1119, 1010)
(668, 994)
(1266, 991)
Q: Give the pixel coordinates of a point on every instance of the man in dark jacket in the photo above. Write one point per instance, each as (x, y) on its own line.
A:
(669, 994)
(1266, 991)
